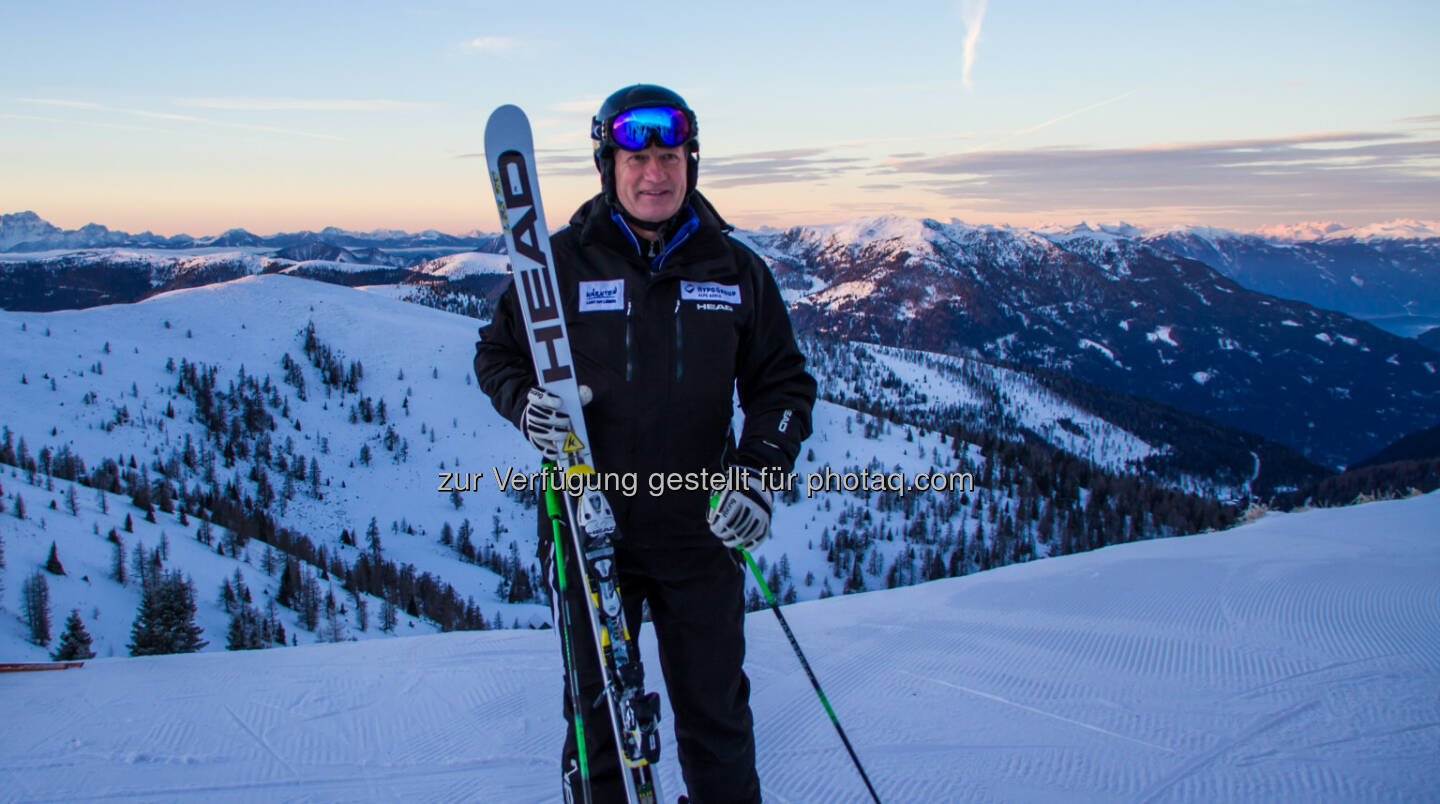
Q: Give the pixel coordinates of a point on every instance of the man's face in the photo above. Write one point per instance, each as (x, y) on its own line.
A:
(651, 183)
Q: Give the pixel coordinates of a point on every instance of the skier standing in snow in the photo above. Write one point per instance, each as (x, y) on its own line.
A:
(668, 316)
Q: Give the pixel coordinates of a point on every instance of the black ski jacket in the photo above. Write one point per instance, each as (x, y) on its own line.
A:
(664, 352)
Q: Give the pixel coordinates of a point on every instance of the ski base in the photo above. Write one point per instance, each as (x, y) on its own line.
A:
(635, 715)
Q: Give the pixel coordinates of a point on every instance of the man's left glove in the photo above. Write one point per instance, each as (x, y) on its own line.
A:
(544, 424)
(740, 517)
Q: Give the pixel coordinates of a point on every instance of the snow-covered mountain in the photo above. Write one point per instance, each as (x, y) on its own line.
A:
(1116, 311)
(87, 543)
(45, 268)
(1293, 659)
(1388, 272)
(28, 232)
(1398, 229)
(1113, 305)
(293, 409)
(1366, 277)
(975, 399)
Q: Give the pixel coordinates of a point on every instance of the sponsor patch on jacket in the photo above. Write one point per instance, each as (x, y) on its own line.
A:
(710, 292)
(598, 296)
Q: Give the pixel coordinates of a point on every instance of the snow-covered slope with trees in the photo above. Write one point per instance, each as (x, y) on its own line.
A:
(297, 413)
(1123, 312)
(1295, 658)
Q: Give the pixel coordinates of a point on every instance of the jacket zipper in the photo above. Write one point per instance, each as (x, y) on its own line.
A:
(679, 344)
(629, 341)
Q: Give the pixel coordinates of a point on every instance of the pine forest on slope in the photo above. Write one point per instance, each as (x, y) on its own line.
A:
(1125, 308)
(274, 428)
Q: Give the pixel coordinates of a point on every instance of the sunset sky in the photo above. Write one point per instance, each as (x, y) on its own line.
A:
(281, 116)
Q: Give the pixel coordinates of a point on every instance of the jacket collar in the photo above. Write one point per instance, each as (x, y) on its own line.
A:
(704, 252)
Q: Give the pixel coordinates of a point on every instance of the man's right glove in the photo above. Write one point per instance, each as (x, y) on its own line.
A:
(741, 517)
(544, 424)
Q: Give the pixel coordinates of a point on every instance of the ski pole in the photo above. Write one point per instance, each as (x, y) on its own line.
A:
(799, 654)
(562, 607)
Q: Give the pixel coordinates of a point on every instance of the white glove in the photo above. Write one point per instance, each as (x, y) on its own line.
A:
(741, 517)
(544, 424)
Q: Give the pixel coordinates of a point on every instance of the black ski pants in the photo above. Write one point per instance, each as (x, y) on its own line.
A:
(696, 596)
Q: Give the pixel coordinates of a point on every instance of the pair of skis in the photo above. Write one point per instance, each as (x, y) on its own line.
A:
(634, 714)
(587, 518)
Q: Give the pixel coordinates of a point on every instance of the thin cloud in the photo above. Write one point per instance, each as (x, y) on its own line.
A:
(1052, 121)
(775, 167)
(62, 121)
(585, 106)
(793, 153)
(184, 118)
(972, 14)
(304, 104)
(1423, 118)
(550, 155)
(493, 44)
(1337, 173)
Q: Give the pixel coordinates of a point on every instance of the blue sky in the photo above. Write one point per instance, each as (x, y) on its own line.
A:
(283, 116)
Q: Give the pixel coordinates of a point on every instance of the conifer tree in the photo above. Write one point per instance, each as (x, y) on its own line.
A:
(74, 642)
(277, 629)
(52, 564)
(333, 629)
(388, 614)
(372, 535)
(247, 631)
(165, 622)
(362, 612)
(35, 600)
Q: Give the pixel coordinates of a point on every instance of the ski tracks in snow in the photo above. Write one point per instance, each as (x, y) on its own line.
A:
(1283, 660)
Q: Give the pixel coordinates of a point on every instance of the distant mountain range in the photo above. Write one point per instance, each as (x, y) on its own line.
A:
(1388, 272)
(28, 232)
(45, 268)
(1117, 311)
(1195, 317)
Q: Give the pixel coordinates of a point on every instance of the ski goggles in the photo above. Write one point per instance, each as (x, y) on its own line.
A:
(635, 129)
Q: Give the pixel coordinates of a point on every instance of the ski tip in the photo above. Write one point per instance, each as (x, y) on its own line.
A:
(507, 113)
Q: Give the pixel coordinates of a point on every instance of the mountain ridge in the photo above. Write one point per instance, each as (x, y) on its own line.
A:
(1115, 311)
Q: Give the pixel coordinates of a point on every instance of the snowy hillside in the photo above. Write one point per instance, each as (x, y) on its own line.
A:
(283, 404)
(1398, 229)
(1292, 659)
(102, 383)
(108, 608)
(973, 390)
(1148, 317)
(469, 263)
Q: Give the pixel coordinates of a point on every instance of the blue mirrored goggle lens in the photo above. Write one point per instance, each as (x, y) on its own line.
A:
(634, 129)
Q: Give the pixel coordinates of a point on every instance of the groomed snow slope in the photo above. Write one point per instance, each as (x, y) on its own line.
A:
(1296, 658)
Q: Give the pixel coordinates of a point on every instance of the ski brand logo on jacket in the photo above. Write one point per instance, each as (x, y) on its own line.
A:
(602, 295)
(710, 292)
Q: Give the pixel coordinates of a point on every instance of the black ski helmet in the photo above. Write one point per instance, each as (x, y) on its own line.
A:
(639, 96)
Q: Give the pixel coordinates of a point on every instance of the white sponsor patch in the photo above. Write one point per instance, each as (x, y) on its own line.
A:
(710, 292)
(608, 294)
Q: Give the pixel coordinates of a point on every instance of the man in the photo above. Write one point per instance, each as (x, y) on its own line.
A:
(668, 316)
